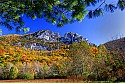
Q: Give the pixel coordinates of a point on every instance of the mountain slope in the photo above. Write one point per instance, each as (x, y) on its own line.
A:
(116, 45)
(43, 40)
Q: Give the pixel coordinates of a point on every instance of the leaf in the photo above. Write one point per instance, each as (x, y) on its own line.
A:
(17, 17)
(80, 16)
(39, 15)
(60, 24)
(26, 30)
(121, 4)
(33, 17)
(57, 2)
(54, 21)
(95, 13)
(50, 7)
(110, 7)
(90, 14)
(90, 2)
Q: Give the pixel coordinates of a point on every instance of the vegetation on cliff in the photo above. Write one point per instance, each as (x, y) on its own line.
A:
(79, 60)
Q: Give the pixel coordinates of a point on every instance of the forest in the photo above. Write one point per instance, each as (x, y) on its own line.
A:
(78, 60)
(74, 61)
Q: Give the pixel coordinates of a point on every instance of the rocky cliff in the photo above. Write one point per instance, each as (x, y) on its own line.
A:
(46, 40)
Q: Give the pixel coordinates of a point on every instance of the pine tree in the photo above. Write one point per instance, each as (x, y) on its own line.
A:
(58, 12)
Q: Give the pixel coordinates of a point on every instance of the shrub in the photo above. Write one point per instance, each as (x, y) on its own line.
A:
(27, 76)
(9, 73)
(5, 74)
(39, 75)
(13, 72)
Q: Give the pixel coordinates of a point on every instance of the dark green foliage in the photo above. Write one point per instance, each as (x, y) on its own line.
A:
(110, 7)
(95, 13)
(121, 4)
(59, 12)
(10, 73)
(27, 76)
(91, 2)
(39, 75)
(5, 74)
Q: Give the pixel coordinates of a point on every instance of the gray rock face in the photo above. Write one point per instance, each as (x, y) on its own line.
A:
(72, 37)
(46, 35)
(49, 36)
(35, 46)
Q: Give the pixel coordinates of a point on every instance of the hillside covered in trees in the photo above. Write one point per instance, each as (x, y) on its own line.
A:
(80, 60)
(116, 45)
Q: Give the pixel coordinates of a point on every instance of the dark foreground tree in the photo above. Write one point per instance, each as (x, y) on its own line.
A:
(58, 12)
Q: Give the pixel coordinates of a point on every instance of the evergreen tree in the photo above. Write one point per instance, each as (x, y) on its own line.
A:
(59, 12)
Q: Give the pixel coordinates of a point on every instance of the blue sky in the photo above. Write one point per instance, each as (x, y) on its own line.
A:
(98, 30)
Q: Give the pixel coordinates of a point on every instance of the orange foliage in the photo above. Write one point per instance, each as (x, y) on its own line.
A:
(94, 50)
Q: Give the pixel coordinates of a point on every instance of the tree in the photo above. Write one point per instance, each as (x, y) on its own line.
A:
(81, 59)
(58, 12)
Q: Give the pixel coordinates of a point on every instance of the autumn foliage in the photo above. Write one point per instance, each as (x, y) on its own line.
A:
(78, 60)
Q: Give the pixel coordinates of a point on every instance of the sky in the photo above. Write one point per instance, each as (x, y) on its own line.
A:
(97, 30)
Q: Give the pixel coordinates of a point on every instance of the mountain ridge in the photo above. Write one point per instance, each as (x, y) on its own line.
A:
(43, 39)
(117, 45)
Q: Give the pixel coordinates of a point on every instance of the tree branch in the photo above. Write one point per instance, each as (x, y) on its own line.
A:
(101, 4)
